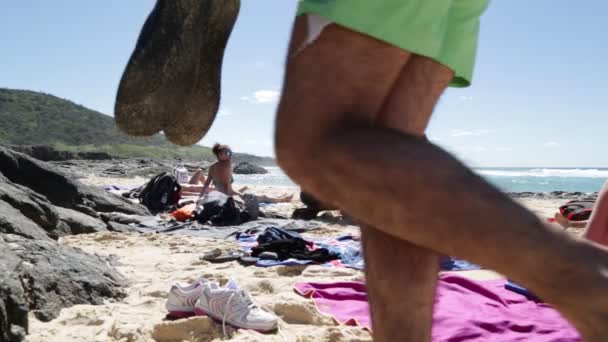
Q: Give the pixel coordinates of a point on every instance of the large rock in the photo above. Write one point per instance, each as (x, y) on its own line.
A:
(13, 305)
(12, 221)
(80, 223)
(59, 188)
(246, 168)
(53, 276)
(31, 204)
(121, 228)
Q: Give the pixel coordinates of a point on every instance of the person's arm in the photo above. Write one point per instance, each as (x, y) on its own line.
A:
(206, 186)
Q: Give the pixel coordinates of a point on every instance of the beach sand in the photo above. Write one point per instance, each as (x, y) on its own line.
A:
(153, 262)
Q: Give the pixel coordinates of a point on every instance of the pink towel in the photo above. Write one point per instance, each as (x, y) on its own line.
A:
(465, 310)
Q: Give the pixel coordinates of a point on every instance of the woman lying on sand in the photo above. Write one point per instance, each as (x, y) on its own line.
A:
(597, 226)
(220, 173)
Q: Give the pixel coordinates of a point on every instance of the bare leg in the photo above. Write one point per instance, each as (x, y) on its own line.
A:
(266, 199)
(597, 228)
(390, 100)
(408, 109)
(329, 86)
(198, 177)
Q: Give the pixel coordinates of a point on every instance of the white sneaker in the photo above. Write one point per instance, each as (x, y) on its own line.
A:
(235, 307)
(182, 298)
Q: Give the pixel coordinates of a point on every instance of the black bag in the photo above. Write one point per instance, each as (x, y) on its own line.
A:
(577, 210)
(160, 193)
(222, 210)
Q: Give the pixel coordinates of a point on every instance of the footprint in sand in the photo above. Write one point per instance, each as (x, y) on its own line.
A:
(265, 286)
(264, 273)
(109, 237)
(198, 262)
(127, 332)
(260, 287)
(301, 313)
(290, 271)
(156, 294)
(347, 334)
(200, 328)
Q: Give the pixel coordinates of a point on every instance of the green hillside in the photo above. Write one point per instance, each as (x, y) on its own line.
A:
(28, 117)
(33, 118)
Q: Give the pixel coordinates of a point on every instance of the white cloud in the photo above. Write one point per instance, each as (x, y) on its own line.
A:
(465, 98)
(551, 144)
(504, 149)
(474, 132)
(262, 96)
(260, 65)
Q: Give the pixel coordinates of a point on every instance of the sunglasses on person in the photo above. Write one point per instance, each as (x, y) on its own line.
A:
(227, 152)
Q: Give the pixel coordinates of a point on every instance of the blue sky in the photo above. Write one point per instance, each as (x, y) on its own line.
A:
(537, 97)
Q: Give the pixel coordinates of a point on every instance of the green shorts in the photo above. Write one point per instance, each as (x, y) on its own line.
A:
(443, 30)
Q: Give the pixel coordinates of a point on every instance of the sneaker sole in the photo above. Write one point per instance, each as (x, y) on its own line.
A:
(201, 312)
(172, 80)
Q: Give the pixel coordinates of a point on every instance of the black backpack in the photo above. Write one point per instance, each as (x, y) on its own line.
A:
(160, 193)
(577, 210)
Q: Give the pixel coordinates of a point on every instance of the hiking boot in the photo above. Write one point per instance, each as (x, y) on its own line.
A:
(235, 307)
(172, 80)
(182, 298)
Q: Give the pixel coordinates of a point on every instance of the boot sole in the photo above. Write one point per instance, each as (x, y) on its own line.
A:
(172, 80)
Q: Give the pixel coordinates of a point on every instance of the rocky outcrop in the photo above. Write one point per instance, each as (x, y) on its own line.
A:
(29, 203)
(79, 223)
(48, 153)
(13, 304)
(60, 189)
(12, 221)
(246, 168)
(121, 228)
(39, 204)
(52, 277)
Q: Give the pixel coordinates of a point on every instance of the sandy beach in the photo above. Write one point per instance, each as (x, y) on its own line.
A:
(153, 262)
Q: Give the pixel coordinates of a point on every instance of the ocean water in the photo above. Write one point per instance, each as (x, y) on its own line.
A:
(507, 179)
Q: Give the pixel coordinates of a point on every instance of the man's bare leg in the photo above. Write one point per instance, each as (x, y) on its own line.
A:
(409, 270)
(403, 281)
(324, 123)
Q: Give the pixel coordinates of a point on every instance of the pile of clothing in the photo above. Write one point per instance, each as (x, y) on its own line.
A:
(278, 244)
(274, 246)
